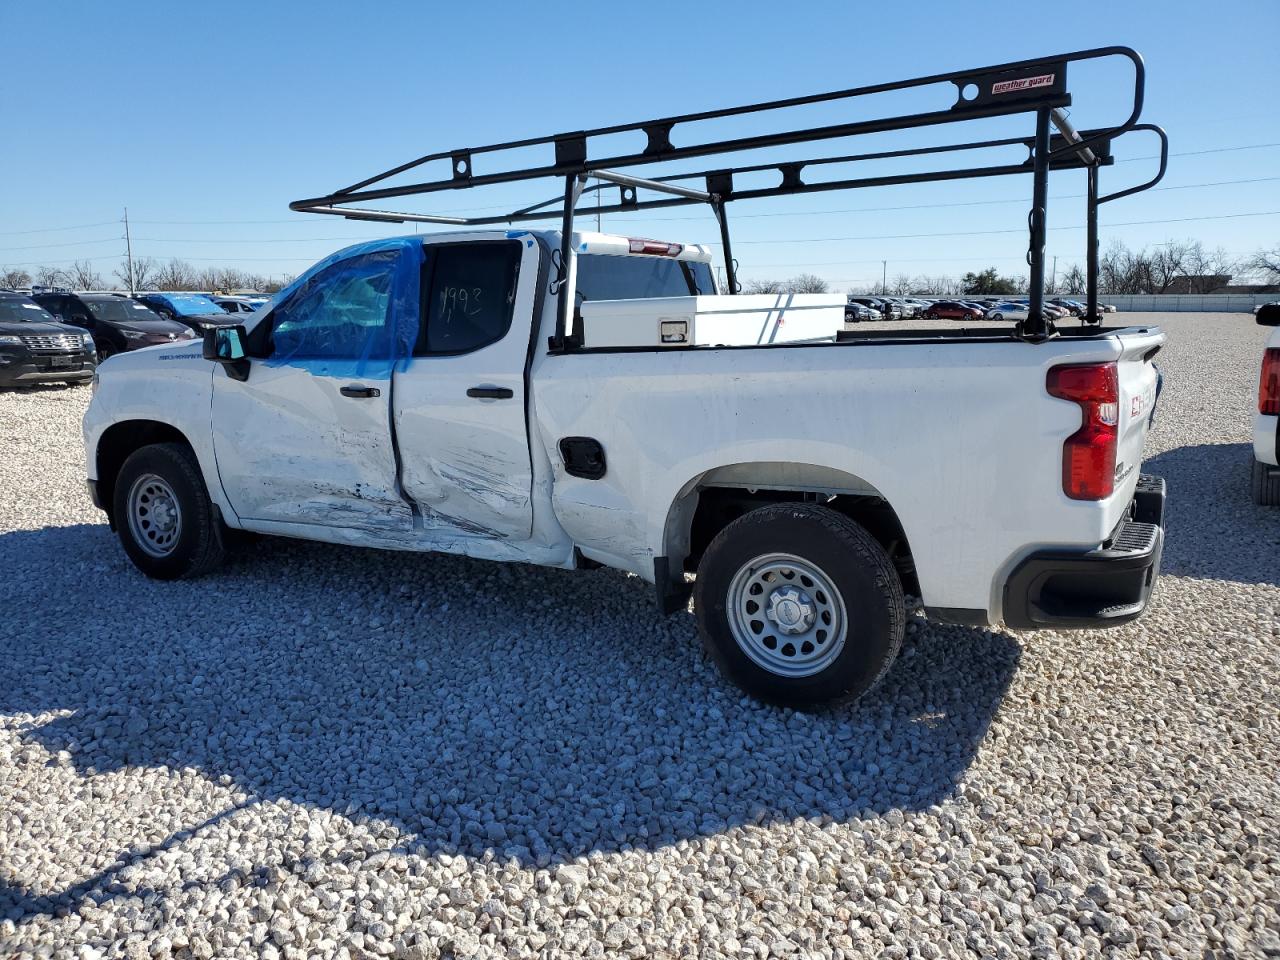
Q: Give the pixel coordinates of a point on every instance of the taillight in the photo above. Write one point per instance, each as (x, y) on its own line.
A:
(1089, 454)
(658, 247)
(1269, 385)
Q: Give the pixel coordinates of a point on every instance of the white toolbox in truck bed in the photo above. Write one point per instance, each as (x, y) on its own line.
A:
(713, 320)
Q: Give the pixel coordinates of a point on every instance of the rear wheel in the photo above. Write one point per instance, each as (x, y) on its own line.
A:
(799, 605)
(164, 517)
(1265, 484)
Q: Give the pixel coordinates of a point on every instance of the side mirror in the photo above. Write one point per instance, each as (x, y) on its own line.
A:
(225, 345)
(1269, 315)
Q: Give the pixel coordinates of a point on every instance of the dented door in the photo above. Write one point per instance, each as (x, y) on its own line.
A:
(306, 438)
(459, 403)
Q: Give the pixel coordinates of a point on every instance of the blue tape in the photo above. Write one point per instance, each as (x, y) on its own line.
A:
(331, 349)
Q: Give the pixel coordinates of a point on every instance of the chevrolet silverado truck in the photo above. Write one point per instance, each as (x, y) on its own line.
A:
(581, 399)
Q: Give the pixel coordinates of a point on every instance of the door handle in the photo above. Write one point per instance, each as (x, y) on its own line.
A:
(360, 393)
(491, 393)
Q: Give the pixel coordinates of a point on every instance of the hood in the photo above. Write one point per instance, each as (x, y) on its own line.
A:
(154, 327)
(29, 328)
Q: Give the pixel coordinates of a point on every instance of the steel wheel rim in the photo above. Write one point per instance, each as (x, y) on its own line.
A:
(155, 518)
(787, 615)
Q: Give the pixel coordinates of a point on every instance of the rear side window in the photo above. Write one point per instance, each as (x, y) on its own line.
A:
(602, 277)
(471, 293)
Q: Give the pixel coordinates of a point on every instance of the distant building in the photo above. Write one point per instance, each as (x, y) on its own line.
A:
(1201, 283)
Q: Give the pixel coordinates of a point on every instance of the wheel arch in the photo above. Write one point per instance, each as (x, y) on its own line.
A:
(118, 442)
(711, 500)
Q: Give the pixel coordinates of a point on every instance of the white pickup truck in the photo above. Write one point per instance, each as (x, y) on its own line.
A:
(402, 394)
(574, 399)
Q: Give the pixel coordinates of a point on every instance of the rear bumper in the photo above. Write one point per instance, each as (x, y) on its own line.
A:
(1105, 586)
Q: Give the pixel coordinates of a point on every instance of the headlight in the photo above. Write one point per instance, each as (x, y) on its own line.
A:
(16, 341)
(133, 334)
(86, 340)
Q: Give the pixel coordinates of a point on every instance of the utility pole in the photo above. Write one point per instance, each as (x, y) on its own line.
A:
(884, 277)
(1053, 277)
(128, 246)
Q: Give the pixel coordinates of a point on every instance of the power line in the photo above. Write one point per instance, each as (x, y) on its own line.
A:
(978, 233)
(960, 203)
(302, 220)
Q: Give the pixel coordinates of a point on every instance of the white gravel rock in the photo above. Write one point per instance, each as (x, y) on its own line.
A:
(325, 752)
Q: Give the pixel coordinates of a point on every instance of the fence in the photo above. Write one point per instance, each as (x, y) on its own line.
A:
(1188, 302)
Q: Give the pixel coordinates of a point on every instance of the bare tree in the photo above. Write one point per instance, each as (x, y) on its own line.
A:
(1073, 280)
(762, 286)
(12, 278)
(174, 275)
(144, 270)
(51, 277)
(806, 283)
(1265, 265)
(84, 277)
(902, 285)
(275, 286)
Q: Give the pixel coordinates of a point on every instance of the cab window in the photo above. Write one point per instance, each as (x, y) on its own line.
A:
(470, 293)
(340, 313)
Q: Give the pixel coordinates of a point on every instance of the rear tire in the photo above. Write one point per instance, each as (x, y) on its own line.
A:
(1265, 485)
(799, 606)
(165, 520)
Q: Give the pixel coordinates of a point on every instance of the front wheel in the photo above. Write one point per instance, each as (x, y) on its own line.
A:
(997, 317)
(799, 605)
(165, 520)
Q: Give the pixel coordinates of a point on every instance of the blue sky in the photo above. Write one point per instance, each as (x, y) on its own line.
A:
(207, 119)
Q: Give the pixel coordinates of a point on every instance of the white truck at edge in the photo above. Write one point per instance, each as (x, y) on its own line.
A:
(807, 484)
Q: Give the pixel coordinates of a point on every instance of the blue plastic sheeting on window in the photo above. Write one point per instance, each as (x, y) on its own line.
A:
(355, 313)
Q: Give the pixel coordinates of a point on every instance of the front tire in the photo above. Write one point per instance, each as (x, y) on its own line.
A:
(997, 317)
(1265, 485)
(799, 606)
(164, 517)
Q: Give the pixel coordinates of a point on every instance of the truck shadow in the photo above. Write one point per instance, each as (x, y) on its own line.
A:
(1209, 485)
(535, 713)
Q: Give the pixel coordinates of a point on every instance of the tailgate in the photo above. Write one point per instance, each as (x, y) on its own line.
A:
(1139, 389)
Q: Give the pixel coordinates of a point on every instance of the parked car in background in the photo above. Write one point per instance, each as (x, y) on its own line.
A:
(887, 310)
(35, 348)
(1074, 307)
(952, 310)
(117, 324)
(1107, 307)
(1007, 310)
(193, 310)
(855, 312)
(236, 304)
(1266, 422)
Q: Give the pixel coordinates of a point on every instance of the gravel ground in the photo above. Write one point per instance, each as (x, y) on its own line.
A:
(326, 752)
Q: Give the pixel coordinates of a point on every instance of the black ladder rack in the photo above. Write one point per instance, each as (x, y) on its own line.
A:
(1037, 87)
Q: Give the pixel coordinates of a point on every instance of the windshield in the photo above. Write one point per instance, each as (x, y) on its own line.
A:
(604, 277)
(120, 309)
(192, 305)
(11, 310)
